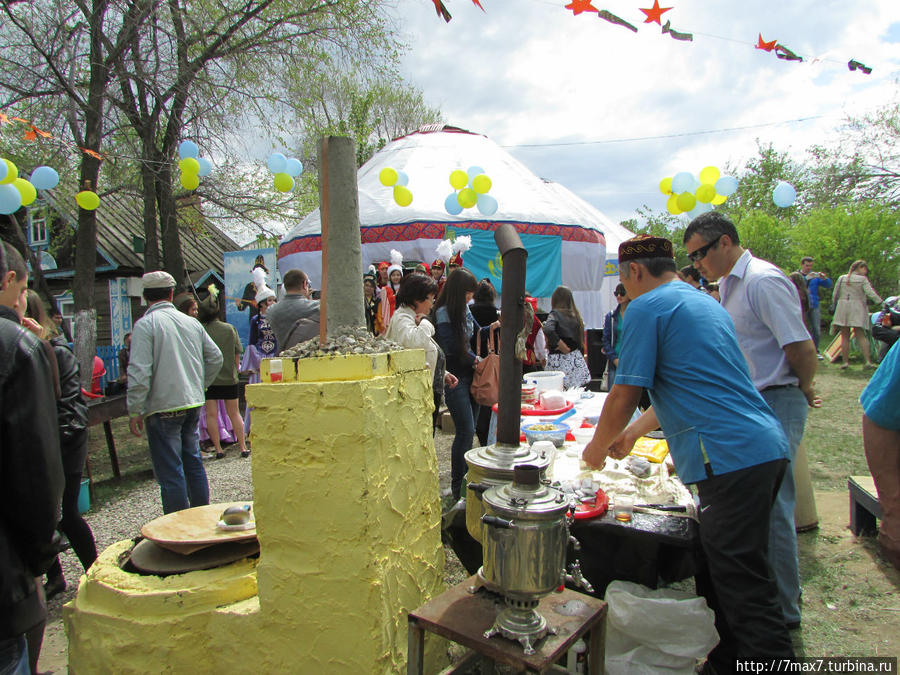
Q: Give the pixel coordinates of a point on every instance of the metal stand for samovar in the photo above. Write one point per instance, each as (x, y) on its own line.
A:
(520, 621)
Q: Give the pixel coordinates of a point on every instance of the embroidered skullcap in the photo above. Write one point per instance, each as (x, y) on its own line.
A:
(645, 246)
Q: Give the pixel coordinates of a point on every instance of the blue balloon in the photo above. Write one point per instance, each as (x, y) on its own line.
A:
(188, 149)
(784, 195)
(11, 199)
(682, 182)
(43, 177)
(726, 186)
(451, 204)
(473, 171)
(277, 163)
(293, 167)
(402, 178)
(3, 169)
(205, 166)
(701, 207)
(487, 205)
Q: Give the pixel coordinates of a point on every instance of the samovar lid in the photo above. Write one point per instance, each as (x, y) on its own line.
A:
(502, 459)
(526, 497)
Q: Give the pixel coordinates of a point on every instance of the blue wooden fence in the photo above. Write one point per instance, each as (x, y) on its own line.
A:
(109, 354)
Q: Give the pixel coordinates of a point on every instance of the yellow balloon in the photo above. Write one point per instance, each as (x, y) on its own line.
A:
(402, 195)
(709, 175)
(11, 173)
(481, 183)
(283, 182)
(189, 165)
(467, 197)
(686, 201)
(190, 181)
(459, 179)
(87, 200)
(26, 189)
(672, 205)
(718, 199)
(388, 176)
(705, 193)
(665, 185)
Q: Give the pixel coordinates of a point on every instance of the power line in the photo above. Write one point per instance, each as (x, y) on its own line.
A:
(663, 136)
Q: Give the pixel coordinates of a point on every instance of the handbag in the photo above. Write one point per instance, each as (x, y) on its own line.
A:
(485, 387)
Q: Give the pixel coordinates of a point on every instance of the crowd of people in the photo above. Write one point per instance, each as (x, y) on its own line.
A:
(748, 344)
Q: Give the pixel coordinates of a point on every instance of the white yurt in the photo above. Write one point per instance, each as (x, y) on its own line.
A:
(566, 237)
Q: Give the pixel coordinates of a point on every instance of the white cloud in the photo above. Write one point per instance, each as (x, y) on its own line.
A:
(528, 71)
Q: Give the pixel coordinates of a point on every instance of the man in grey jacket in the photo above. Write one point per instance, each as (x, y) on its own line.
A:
(173, 361)
(294, 318)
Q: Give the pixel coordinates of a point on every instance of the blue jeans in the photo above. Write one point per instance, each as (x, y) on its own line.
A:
(815, 324)
(461, 407)
(791, 409)
(174, 442)
(14, 656)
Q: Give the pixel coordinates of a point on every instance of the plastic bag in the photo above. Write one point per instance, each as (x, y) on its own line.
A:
(651, 631)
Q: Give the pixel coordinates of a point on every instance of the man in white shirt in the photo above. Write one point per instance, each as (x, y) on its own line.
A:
(768, 319)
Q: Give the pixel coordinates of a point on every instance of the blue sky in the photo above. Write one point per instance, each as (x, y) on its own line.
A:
(529, 72)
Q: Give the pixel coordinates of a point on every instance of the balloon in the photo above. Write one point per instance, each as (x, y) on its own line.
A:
(727, 185)
(190, 181)
(293, 167)
(388, 176)
(10, 199)
(189, 165)
(672, 205)
(283, 182)
(665, 186)
(784, 194)
(487, 205)
(705, 193)
(481, 184)
(467, 198)
(11, 173)
(686, 201)
(3, 170)
(44, 178)
(452, 205)
(699, 208)
(277, 162)
(682, 181)
(188, 149)
(205, 166)
(473, 171)
(718, 199)
(459, 179)
(402, 178)
(87, 200)
(26, 189)
(402, 195)
(709, 175)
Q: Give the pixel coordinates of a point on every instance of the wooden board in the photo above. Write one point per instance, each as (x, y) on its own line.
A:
(193, 529)
(833, 351)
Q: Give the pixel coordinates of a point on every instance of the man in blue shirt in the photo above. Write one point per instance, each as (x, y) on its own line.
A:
(681, 346)
(814, 281)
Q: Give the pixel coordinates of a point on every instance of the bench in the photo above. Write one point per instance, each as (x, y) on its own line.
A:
(101, 411)
(864, 506)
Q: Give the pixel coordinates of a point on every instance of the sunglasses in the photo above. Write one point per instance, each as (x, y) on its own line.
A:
(701, 252)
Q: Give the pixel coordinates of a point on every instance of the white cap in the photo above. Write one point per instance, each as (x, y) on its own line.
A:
(158, 279)
(264, 293)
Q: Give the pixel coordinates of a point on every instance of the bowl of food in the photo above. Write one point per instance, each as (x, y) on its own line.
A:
(546, 431)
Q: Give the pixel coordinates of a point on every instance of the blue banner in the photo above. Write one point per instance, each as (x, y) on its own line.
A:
(543, 267)
(240, 293)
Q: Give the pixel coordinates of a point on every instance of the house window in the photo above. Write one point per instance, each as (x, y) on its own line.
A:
(37, 228)
(66, 304)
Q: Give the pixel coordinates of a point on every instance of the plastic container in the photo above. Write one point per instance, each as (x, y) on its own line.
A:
(556, 434)
(546, 380)
(84, 496)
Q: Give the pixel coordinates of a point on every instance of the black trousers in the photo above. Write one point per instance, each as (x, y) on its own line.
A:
(73, 524)
(737, 580)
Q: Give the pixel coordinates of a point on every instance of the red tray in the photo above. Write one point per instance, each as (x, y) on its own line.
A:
(539, 411)
(589, 510)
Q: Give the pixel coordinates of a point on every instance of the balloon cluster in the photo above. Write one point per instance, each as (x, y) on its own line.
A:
(692, 195)
(784, 194)
(470, 188)
(286, 169)
(399, 180)
(193, 166)
(17, 192)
